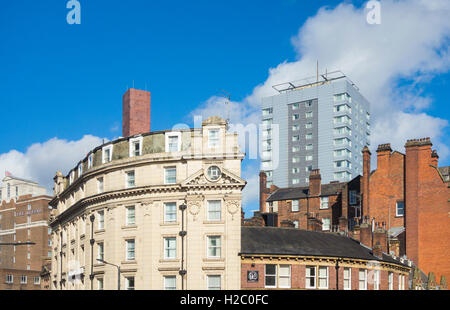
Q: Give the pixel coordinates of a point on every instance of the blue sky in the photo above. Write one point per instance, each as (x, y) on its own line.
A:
(66, 81)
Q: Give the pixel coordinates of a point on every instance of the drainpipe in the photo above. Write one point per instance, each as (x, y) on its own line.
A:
(91, 276)
(61, 259)
(182, 234)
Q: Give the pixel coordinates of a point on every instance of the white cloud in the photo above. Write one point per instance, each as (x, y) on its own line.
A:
(388, 62)
(41, 160)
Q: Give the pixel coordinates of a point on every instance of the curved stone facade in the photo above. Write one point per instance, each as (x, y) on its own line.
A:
(135, 190)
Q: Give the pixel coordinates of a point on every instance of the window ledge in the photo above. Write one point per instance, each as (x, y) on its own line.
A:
(134, 226)
(214, 222)
(129, 262)
(99, 231)
(169, 260)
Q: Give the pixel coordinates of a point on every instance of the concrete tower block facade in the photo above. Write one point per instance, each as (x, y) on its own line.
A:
(136, 112)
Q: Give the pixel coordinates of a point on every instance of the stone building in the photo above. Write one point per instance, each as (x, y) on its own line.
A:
(24, 213)
(288, 258)
(163, 206)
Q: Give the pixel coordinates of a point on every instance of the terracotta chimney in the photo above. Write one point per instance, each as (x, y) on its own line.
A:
(315, 183)
(136, 112)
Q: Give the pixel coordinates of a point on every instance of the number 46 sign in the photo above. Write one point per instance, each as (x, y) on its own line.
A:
(252, 276)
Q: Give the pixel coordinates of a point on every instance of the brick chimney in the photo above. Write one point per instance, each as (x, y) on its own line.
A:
(315, 183)
(377, 250)
(263, 191)
(417, 159)
(434, 158)
(136, 112)
(383, 154)
(366, 180)
(365, 232)
(380, 236)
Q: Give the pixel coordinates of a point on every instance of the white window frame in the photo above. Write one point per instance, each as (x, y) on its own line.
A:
(132, 142)
(127, 283)
(324, 202)
(168, 249)
(209, 277)
(289, 276)
(307, 283)
(90, 161)
(166, 219)
(128, 242)
(390, 280)
(71, 177)
(165, 175)
(100, 251)
(127, 220)
(376, 280)
(217, 247)
(211, 212)
(324, 228)
(214, 145)
(271, 275)
(100, 287)
(127, 179)
(23, 279)
(100, 185)
(169, 135)
(295, 208)
(319, 278)
(38, 282)
(365, 279)
(104, 149)
(396, 208)
(166, 287)
(101, 223)
(349, 278)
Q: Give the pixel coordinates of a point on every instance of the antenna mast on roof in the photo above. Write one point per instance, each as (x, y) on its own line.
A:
(227, 103)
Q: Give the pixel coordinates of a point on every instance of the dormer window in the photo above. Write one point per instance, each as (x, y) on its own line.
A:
(107, 153)
(71, 177)
(80, 170)
(213, 138)
(90, 161)
(136, 147)
(173, 142)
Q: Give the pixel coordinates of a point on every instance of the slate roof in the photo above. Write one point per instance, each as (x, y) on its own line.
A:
(292, 241)
(302, 192)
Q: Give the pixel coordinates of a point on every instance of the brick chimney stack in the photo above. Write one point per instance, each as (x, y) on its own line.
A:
(383, 154)
(136, 112)
(263, 191)
(365, 232)
(434, 158)
(315, 183)
(418, 157)
(366, 180)
(380, 236)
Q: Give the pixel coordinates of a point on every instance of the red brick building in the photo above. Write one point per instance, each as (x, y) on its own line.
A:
(287, 258)
(327, 207)
(411, 196)
(23, 219)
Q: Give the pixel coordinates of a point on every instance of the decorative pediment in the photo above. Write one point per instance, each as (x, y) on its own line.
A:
(199, 179)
